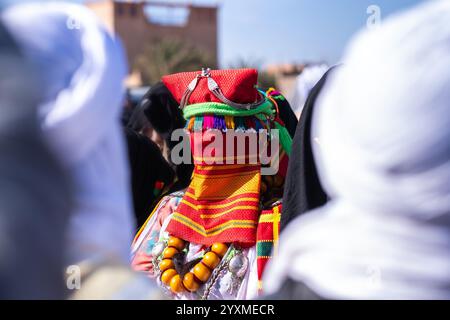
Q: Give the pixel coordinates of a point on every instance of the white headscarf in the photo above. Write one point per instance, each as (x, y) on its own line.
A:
(383, 122)
(305, 82)
(83, 68)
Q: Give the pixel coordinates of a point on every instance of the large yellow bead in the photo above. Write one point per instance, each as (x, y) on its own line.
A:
(176, 285)
(169, 252)
(166, 264)
(211, 260)
(219, 248)
(168, 275)
(202, 272)
(176, 243)
(190, 282)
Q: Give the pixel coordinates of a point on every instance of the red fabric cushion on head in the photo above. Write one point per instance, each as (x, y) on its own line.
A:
(238, 85)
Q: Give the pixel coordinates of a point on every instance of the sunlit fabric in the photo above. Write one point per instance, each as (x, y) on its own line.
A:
(34, 192)
(84, 70)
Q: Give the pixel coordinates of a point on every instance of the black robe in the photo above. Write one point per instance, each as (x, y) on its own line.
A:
(303, 190)
(147, 166)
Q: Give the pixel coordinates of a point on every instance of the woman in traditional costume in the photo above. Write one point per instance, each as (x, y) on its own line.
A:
(212, 241)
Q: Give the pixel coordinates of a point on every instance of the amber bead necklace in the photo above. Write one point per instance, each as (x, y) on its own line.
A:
(201, 273)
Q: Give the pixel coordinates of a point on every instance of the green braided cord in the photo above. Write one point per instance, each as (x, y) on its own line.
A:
(285, 138)
(261, 117)
(222, 109)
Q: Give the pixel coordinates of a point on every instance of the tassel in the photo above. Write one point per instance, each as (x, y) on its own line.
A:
(219, 123)
(190, 125)
(258, 125)
(273, 92)
(208, 122)
(159, 186)
(229, 121)
(285, 138)
(239, 121)
(261, 123)
(198, 124)
(267, 123)
(250, 123)
(278, 119)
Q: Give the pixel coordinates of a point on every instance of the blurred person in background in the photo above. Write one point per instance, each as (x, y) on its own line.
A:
(151, 174)
(157, 116)
(304, 84)
(83, 69)
(128, 108)
(35, 195)
(148, 131)
(383, 122)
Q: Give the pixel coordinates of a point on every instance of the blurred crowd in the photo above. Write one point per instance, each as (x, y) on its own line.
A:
(360, 208)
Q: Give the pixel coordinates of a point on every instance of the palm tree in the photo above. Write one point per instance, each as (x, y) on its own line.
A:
(170, 56)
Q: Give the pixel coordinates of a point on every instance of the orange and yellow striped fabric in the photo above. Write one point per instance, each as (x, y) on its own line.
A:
(220, 205)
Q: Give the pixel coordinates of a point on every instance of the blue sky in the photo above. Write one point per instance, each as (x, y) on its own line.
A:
(295, 30)
(280, 31)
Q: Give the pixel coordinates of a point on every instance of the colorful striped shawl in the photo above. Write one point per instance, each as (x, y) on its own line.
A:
(220, 205)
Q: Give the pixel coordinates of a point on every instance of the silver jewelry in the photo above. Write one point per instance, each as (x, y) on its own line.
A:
(238, 265)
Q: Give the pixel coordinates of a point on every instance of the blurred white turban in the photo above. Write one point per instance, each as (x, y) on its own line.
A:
(83, 68)
(304, 83)
(383, 122)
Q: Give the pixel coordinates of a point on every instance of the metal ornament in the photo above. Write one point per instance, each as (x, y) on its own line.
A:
(238, 265)
(158, 249)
